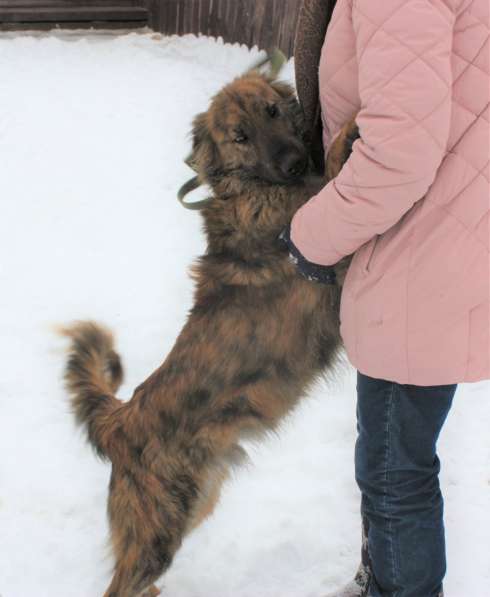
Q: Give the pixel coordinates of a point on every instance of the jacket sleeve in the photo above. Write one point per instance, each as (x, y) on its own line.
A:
(404, 60)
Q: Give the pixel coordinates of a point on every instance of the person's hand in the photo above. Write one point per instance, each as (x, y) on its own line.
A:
(322, 274)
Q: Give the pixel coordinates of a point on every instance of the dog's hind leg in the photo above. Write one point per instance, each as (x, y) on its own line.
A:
(148, 515)
(138, 568)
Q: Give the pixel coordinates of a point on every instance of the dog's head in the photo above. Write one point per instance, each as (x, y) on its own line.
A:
(252, 131)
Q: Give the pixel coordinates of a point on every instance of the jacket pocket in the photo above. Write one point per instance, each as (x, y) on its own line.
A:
(368, 258)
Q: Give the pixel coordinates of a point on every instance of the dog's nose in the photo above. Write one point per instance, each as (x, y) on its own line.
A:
(294, 165)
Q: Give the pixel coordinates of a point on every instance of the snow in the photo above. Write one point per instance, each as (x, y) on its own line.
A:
(93, 133)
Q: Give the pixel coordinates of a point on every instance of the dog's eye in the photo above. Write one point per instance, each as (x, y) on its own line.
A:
(273, 110)
(240, 138)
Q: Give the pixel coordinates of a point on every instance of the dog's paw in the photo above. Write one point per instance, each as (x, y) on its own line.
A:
(341, 148)
(352, 133)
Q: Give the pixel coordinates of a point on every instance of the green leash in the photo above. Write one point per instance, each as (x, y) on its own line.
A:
(188, 187)
(277, 60)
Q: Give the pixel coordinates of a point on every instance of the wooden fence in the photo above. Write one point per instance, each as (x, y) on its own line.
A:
(42, 14)
(264, 23)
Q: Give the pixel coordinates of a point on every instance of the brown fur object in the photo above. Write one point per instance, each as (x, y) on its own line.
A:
(257, 338)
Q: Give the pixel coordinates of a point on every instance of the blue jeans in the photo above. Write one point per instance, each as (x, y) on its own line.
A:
(397, 472)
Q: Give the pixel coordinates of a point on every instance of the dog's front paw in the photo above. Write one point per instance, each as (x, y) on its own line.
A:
(341, 148)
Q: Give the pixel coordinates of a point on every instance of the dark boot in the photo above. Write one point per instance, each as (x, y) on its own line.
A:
(360, 585)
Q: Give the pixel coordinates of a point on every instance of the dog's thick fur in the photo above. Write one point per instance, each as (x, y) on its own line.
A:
(256, 339)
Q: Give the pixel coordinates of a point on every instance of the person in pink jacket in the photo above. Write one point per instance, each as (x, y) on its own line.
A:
(412, 205)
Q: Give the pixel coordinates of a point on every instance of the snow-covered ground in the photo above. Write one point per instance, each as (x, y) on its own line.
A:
(93, 133)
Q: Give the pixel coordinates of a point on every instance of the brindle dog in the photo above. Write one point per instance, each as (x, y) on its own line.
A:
(256, 339)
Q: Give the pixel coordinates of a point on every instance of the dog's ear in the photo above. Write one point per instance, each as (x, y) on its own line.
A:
(204, 155)
(286, 93)
(283, 89)
(290, 101)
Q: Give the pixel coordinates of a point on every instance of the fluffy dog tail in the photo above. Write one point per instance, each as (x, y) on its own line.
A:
(93, 375)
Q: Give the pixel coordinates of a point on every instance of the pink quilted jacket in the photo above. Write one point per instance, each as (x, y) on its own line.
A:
(412, 202)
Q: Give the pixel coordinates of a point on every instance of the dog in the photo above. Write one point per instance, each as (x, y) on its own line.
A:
(256, 339)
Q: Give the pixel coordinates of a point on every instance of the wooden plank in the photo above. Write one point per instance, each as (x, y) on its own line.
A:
(294, 16)
(154, 9)
(35, 5)
(187, 13)
(114, 13)
(51, 25)
(178, 13)
(164, 7)
(204, 17)
(221, 24)
(239, 13)
(226, 17)
(245, 23)
(189, 7)
(213, 27)
(170, 17)
(235, 20)
(282, 24)
(195, 17)
(198, 16)
(181, 10)
(264, 28)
